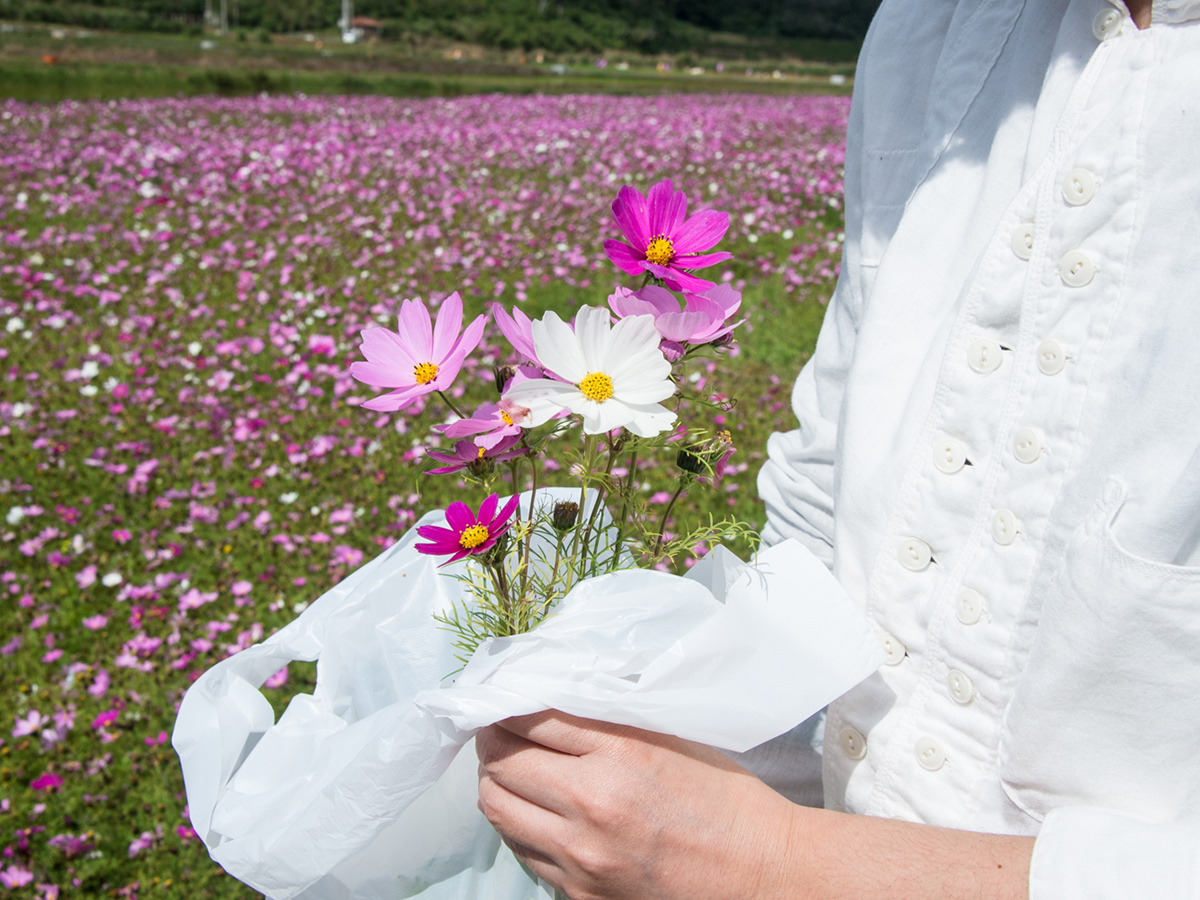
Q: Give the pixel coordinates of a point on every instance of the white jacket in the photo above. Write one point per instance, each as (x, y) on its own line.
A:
(999, 441)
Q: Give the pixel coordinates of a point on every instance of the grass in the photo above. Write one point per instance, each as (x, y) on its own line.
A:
(153, 241)
(34, 66)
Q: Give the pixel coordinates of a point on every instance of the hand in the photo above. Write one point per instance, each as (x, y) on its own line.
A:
(606, 811)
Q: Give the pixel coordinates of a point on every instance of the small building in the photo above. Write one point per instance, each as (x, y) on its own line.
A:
(366, 26)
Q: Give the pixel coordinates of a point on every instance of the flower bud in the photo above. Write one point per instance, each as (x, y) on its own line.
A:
(564, 516)
(689, 461)
(503, 375)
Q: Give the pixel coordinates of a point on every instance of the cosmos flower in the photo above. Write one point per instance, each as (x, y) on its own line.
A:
(469, 534)
(662, 240)
(467, 453)
(701, 321)
(491, 423)
(421, 358)
(613, 376)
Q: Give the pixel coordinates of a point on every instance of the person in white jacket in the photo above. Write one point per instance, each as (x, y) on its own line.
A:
(998, 455)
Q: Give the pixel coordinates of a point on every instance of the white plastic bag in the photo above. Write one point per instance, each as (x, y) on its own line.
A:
(360, 791)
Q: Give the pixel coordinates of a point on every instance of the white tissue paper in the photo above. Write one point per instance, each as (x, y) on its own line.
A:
(360, 791)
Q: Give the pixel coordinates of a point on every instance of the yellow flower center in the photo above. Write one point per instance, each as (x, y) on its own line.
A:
(660, 250)
(596, 386)
(480, 453)
(425, 372)
(472, 537)
(506, 417)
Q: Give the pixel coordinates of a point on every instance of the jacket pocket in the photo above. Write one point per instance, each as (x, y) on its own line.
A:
(1107, 711)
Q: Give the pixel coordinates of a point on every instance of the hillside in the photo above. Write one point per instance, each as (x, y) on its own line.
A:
(714, 28)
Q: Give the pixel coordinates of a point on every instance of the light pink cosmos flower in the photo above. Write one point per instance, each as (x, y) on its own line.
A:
(468, 534)
(421, 358)
(662, 240)
(14, 877)
(516, 329)
(492, 422)
(701, 321)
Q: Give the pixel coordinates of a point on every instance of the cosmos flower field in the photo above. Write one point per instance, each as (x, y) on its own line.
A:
(184, 463)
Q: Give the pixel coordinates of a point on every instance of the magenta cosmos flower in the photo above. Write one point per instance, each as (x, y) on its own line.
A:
(662, 240)
(468, 534)
(421, 358)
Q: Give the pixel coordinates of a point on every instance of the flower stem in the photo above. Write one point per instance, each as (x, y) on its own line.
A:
(450, 403)
(529, 533)
(626, 495)
(662, 526)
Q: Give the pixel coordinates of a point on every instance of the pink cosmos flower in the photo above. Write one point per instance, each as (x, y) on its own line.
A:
(467, 452)
(516, 329)
(30, 724)
(421, 358)
(491, 422)
(468, 534)
(701, 321)
(662, 240)
(15, 877)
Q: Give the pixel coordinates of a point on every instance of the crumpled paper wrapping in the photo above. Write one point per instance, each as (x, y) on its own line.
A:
(360, 790)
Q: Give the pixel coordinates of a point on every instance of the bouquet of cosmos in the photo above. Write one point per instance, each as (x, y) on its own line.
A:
(554, 598)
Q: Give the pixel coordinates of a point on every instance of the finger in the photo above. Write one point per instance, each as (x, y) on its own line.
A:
(535, 773)
(536, 828)
(563, 732)
(542, 866)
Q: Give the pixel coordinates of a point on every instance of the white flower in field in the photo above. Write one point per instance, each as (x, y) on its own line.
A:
(15, 515)
(19, 409)
(195, 347)
(614, 376)
(89, 370)
(289, 497)
(15, 324)
(147, 189)
(112, 579)
(89, 390)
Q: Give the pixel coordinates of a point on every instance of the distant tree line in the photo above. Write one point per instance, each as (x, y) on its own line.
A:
(649, 26)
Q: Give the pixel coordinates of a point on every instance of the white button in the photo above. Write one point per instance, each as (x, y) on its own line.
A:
(1004, 527)
(1107, 24)
(914, 554)
(1051, 358)
(1079, 187)
(1027, 444)
(985, 356)
(1022, 240)
(969, 607)
(949, 455)
(854, 745)
(962, 689)
(1076, 268)
(893, 648)
(930, 754)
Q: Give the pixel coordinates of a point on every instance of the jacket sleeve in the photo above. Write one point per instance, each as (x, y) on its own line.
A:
(1084, 853)
(797, 483)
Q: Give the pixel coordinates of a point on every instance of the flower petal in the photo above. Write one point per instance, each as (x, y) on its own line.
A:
(703, 230)
(487, 509)
(558, 348)
(667, 208)
(684, 326)
(380, 345)
(649, 419)
(449, 368)
(416, 330)
(679, 280)
(631, 213)
(459, 516)
(397, 400)
(592, 328)
(725, 296)
(506, 513)
(449, 321)
(624, 257)
(515, 328)
(700, 260)
(382, 375)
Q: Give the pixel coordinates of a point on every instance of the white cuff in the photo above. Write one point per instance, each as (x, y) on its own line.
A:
(1083, 853)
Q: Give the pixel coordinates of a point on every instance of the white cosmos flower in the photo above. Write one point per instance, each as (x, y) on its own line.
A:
(613, 375)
